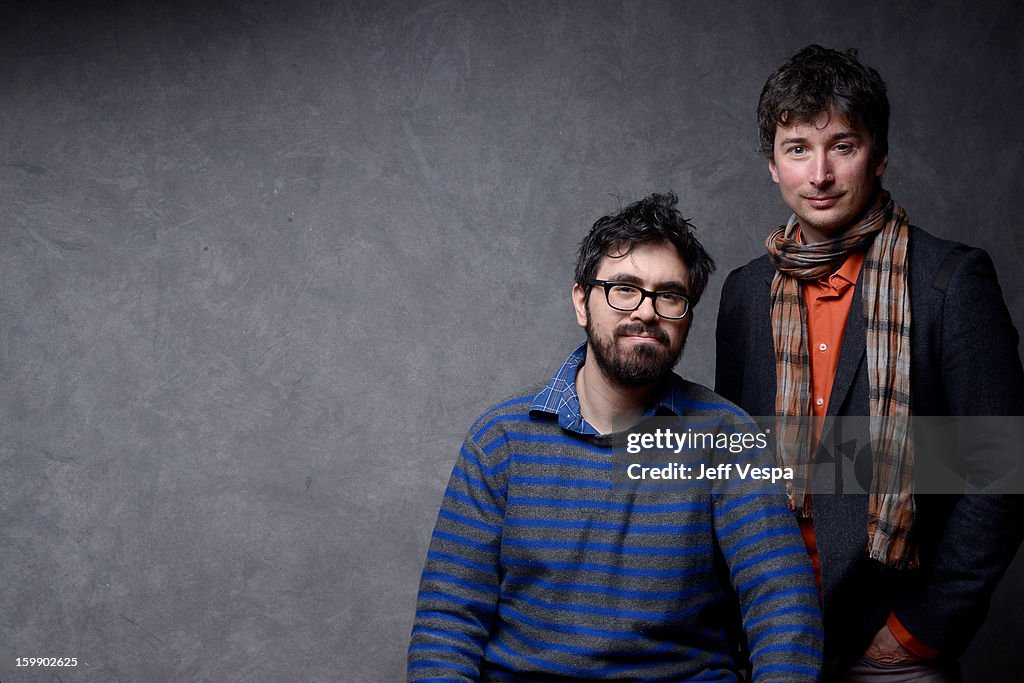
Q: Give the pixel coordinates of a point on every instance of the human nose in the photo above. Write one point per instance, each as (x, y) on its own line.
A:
(821, 171)
(645, 311)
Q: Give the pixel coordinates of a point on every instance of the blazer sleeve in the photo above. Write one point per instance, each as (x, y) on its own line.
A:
(981, 376)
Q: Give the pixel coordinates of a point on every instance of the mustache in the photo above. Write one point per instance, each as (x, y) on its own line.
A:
(637, 328)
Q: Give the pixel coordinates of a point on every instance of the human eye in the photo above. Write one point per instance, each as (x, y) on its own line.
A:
(624, 289)
(844, 148)
(671, 297)
(797, 150)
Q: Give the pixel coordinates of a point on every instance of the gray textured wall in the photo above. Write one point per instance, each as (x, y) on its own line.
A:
(262, 263)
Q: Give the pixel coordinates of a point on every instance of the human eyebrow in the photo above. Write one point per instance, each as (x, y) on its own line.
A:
(624, 278)
(672, 286)
(844, 136)
(792, 141)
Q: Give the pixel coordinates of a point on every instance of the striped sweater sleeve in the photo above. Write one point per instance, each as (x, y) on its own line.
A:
(771, 574)
(459, 587)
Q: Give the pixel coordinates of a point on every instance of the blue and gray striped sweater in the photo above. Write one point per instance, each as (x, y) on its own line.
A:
(543, 566)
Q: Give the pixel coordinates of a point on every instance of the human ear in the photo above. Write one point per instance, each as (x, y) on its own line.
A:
(882, 164)
(579, 303)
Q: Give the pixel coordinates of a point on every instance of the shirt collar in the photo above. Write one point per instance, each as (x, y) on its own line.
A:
(850, 270)
(559, 400)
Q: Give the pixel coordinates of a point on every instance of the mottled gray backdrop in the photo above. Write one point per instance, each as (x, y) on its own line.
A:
(262, 263)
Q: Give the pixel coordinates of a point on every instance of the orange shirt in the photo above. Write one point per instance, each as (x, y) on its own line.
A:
(828, 304)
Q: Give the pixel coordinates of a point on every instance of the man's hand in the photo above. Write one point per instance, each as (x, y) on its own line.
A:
(885, 649)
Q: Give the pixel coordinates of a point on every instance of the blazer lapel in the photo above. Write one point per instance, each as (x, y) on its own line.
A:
(851, 355)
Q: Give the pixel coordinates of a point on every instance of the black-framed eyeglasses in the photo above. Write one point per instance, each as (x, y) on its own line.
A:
(623, 296)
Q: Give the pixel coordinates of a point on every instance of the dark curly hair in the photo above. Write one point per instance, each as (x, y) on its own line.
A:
(652, 219)
(816, 80)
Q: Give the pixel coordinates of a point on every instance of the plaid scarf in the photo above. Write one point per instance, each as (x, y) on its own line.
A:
(887, 315)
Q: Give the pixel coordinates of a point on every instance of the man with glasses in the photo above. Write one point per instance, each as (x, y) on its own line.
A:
(543, 566)
(855, 312)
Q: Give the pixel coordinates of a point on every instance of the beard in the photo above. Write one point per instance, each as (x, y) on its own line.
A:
(640, 365)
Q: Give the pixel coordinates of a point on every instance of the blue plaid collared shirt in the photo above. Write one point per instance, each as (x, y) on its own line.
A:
(560, 401)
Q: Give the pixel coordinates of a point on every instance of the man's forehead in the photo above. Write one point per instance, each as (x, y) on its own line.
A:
(789, 124)
(656, 259)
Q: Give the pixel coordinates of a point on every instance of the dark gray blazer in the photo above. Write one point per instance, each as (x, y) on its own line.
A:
(964, 361)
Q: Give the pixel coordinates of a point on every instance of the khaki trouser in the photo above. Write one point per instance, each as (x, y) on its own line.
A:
(866, 670)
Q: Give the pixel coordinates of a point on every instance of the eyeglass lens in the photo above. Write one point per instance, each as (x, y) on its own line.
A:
(628, 298)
